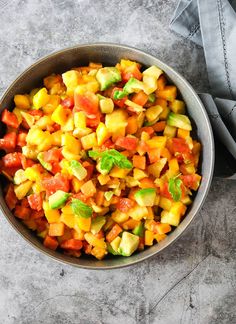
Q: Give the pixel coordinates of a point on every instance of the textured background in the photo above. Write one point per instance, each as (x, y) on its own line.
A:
(193, 281)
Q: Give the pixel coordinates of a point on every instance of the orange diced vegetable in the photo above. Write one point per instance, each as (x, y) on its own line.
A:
(88, 189)
(50, 242)
(132, 126)
(56, 229)
(139, 162)
(114, 232)
(140, 98)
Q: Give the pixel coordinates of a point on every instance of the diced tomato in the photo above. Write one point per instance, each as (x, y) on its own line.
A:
(68, 102)
(58, 182)
(21, 139)
(191, 181)
(41, 224)
(8, 141)
(72, 244)
(53, 155)
(124, 204)
(56, 168)
(12, 160)
(107, 145)
(35, 201)
(10, 197)
(9, 118)
(128, 143)
(131, 71)
(93, 122)
(120, 102)
(24, 202)
(179, 145)
(35, 112)
(88, 103)
(90, 168)
(50, 242)
(148, 130)
(35, 214)
(80, 196)
(165, 192)
(22, 212)
(26, 163)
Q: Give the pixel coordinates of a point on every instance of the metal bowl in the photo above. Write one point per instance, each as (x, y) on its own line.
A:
(110, 54)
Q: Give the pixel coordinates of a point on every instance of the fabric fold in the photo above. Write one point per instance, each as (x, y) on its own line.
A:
(212, 24)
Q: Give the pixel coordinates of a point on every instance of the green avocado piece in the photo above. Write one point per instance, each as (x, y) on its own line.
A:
(107, 76)
(178, 120)
(139, 230)
(132, 85)
(111, 250)
(58, 199)
(152, 97)
(116, 243)
(78, 170)
(97, 224)
(46, 165)
(145, 197)
(129, 243)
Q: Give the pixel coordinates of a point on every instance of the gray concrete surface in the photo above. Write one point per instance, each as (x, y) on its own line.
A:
(193, 281)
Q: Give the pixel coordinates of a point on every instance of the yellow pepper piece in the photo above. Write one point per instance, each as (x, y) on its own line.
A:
(94, 241)
(89, 141)
(99, 252)
(71, 143)
(22, 101)
(52, 104)
(83, 223)
(41, 98)
(102, 133)
(32, 174)
(71, 79)
(79, 119)
(68, 220)
(148, 238)
(59, 115)
(56, 138)
(22, 189)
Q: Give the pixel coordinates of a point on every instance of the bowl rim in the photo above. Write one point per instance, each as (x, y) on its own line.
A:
(59, 257)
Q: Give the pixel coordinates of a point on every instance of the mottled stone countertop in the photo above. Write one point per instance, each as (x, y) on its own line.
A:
(192, 281)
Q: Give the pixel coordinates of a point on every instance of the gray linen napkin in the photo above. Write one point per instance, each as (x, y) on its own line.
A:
(212, 24)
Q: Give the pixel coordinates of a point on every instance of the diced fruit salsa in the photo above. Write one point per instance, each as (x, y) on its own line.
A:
(100, 160)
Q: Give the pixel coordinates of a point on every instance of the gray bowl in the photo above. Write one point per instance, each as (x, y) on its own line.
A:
(110, 54)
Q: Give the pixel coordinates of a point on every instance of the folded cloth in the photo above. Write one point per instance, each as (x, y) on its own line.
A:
(212, 24)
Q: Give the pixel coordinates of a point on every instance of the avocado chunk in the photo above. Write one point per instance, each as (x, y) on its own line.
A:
(131, 86)
(152, 98)
(97, 224)
(58, 199)
(116, 243)
(78, 170)
(107, 76)
(145, 197)
(139, 230)
(129, 243)
(178, 120)
(111, 250)
(45, 164)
